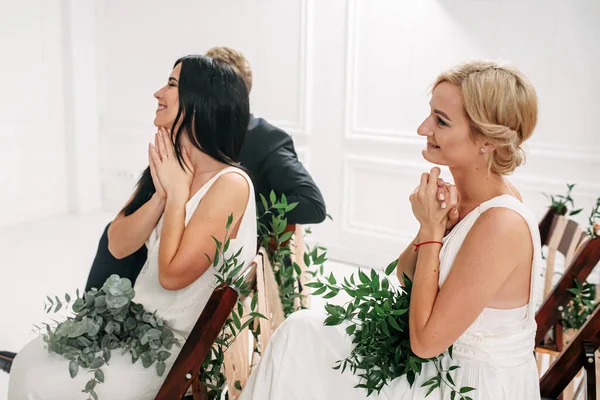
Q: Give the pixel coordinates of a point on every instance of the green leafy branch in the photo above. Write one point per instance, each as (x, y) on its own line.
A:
(581, 306)
(376, 318)
(444, 377)
(231, 272)
(594, 220)
(560, 202)
(58, 304)
(274, 237)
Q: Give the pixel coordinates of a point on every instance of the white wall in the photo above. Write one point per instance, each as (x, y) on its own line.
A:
(33, 177)
(48, 110)
(394, 51)
(141, 40)
(349, 79)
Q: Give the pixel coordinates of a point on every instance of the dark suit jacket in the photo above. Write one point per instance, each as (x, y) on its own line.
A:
(271, 158)
(269, 155)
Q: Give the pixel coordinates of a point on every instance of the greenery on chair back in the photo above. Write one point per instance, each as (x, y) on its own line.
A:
(581, 305)
(376, 318)
(106, 320)
(231, 273)
(560, 203)
(274, 237)
(594, 220)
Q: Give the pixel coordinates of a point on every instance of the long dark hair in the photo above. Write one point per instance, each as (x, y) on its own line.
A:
(214, 112)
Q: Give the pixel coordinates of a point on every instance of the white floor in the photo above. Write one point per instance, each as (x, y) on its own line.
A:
(53, 257)
(46, 257)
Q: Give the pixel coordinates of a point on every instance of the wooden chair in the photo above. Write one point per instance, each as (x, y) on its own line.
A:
(580, 353)
(298, 250)
(269, 303)
(241, 357)
(581, 255)
(545, 225)
(185, 371)
(238, 358)
(566, 237)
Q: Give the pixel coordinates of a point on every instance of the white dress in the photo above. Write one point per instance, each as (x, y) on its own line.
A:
(37, 374)
(495, 354)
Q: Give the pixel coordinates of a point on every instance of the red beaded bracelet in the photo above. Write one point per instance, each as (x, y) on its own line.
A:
(417, 245)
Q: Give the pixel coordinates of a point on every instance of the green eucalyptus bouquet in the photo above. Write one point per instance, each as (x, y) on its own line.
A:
(376, 318)
(106, 320)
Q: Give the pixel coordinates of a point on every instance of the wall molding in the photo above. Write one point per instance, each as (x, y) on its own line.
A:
(351, 128)
(353, 163)
(353, 131)
(305, 78)
(543, 184)
(562, 152)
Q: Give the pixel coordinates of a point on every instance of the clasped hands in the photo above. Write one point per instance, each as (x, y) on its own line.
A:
(435, 205)
(171, 179)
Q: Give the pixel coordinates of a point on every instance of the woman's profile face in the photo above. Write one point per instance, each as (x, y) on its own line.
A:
(168, 100)
(448, 131)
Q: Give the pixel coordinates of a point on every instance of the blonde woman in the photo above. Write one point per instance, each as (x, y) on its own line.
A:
(472, 287)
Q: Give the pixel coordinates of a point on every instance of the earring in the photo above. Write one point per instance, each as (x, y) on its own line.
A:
(482, 150)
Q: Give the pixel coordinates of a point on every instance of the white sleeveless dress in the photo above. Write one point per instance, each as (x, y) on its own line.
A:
(39, 375)
(495, 354)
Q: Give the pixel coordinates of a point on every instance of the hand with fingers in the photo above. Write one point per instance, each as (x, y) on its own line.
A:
(449, 198)
(167, 173)
(160, 190)
(431, 208)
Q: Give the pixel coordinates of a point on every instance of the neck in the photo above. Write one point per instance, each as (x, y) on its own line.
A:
(475, 185)
(204, 164)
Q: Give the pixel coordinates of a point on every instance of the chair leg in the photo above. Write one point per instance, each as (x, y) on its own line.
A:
(597, 373)
(589, 364)
(539, 360)
(569, 392)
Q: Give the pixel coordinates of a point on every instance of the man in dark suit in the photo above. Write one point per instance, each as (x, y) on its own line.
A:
(268, 154)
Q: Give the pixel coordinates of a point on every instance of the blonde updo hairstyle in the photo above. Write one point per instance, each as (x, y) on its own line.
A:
(502, 107)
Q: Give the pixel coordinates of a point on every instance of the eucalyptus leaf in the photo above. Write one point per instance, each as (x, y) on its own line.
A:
(73, 369)
(58, 305)
(160, 368)
(90, 385)
(99, 375)
(97, 363)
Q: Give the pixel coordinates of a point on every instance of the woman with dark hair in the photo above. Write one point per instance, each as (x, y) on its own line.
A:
(182, 201)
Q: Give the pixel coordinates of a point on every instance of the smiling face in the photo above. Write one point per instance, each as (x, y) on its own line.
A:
(448, 131)
(168, 100)
(168, 106)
